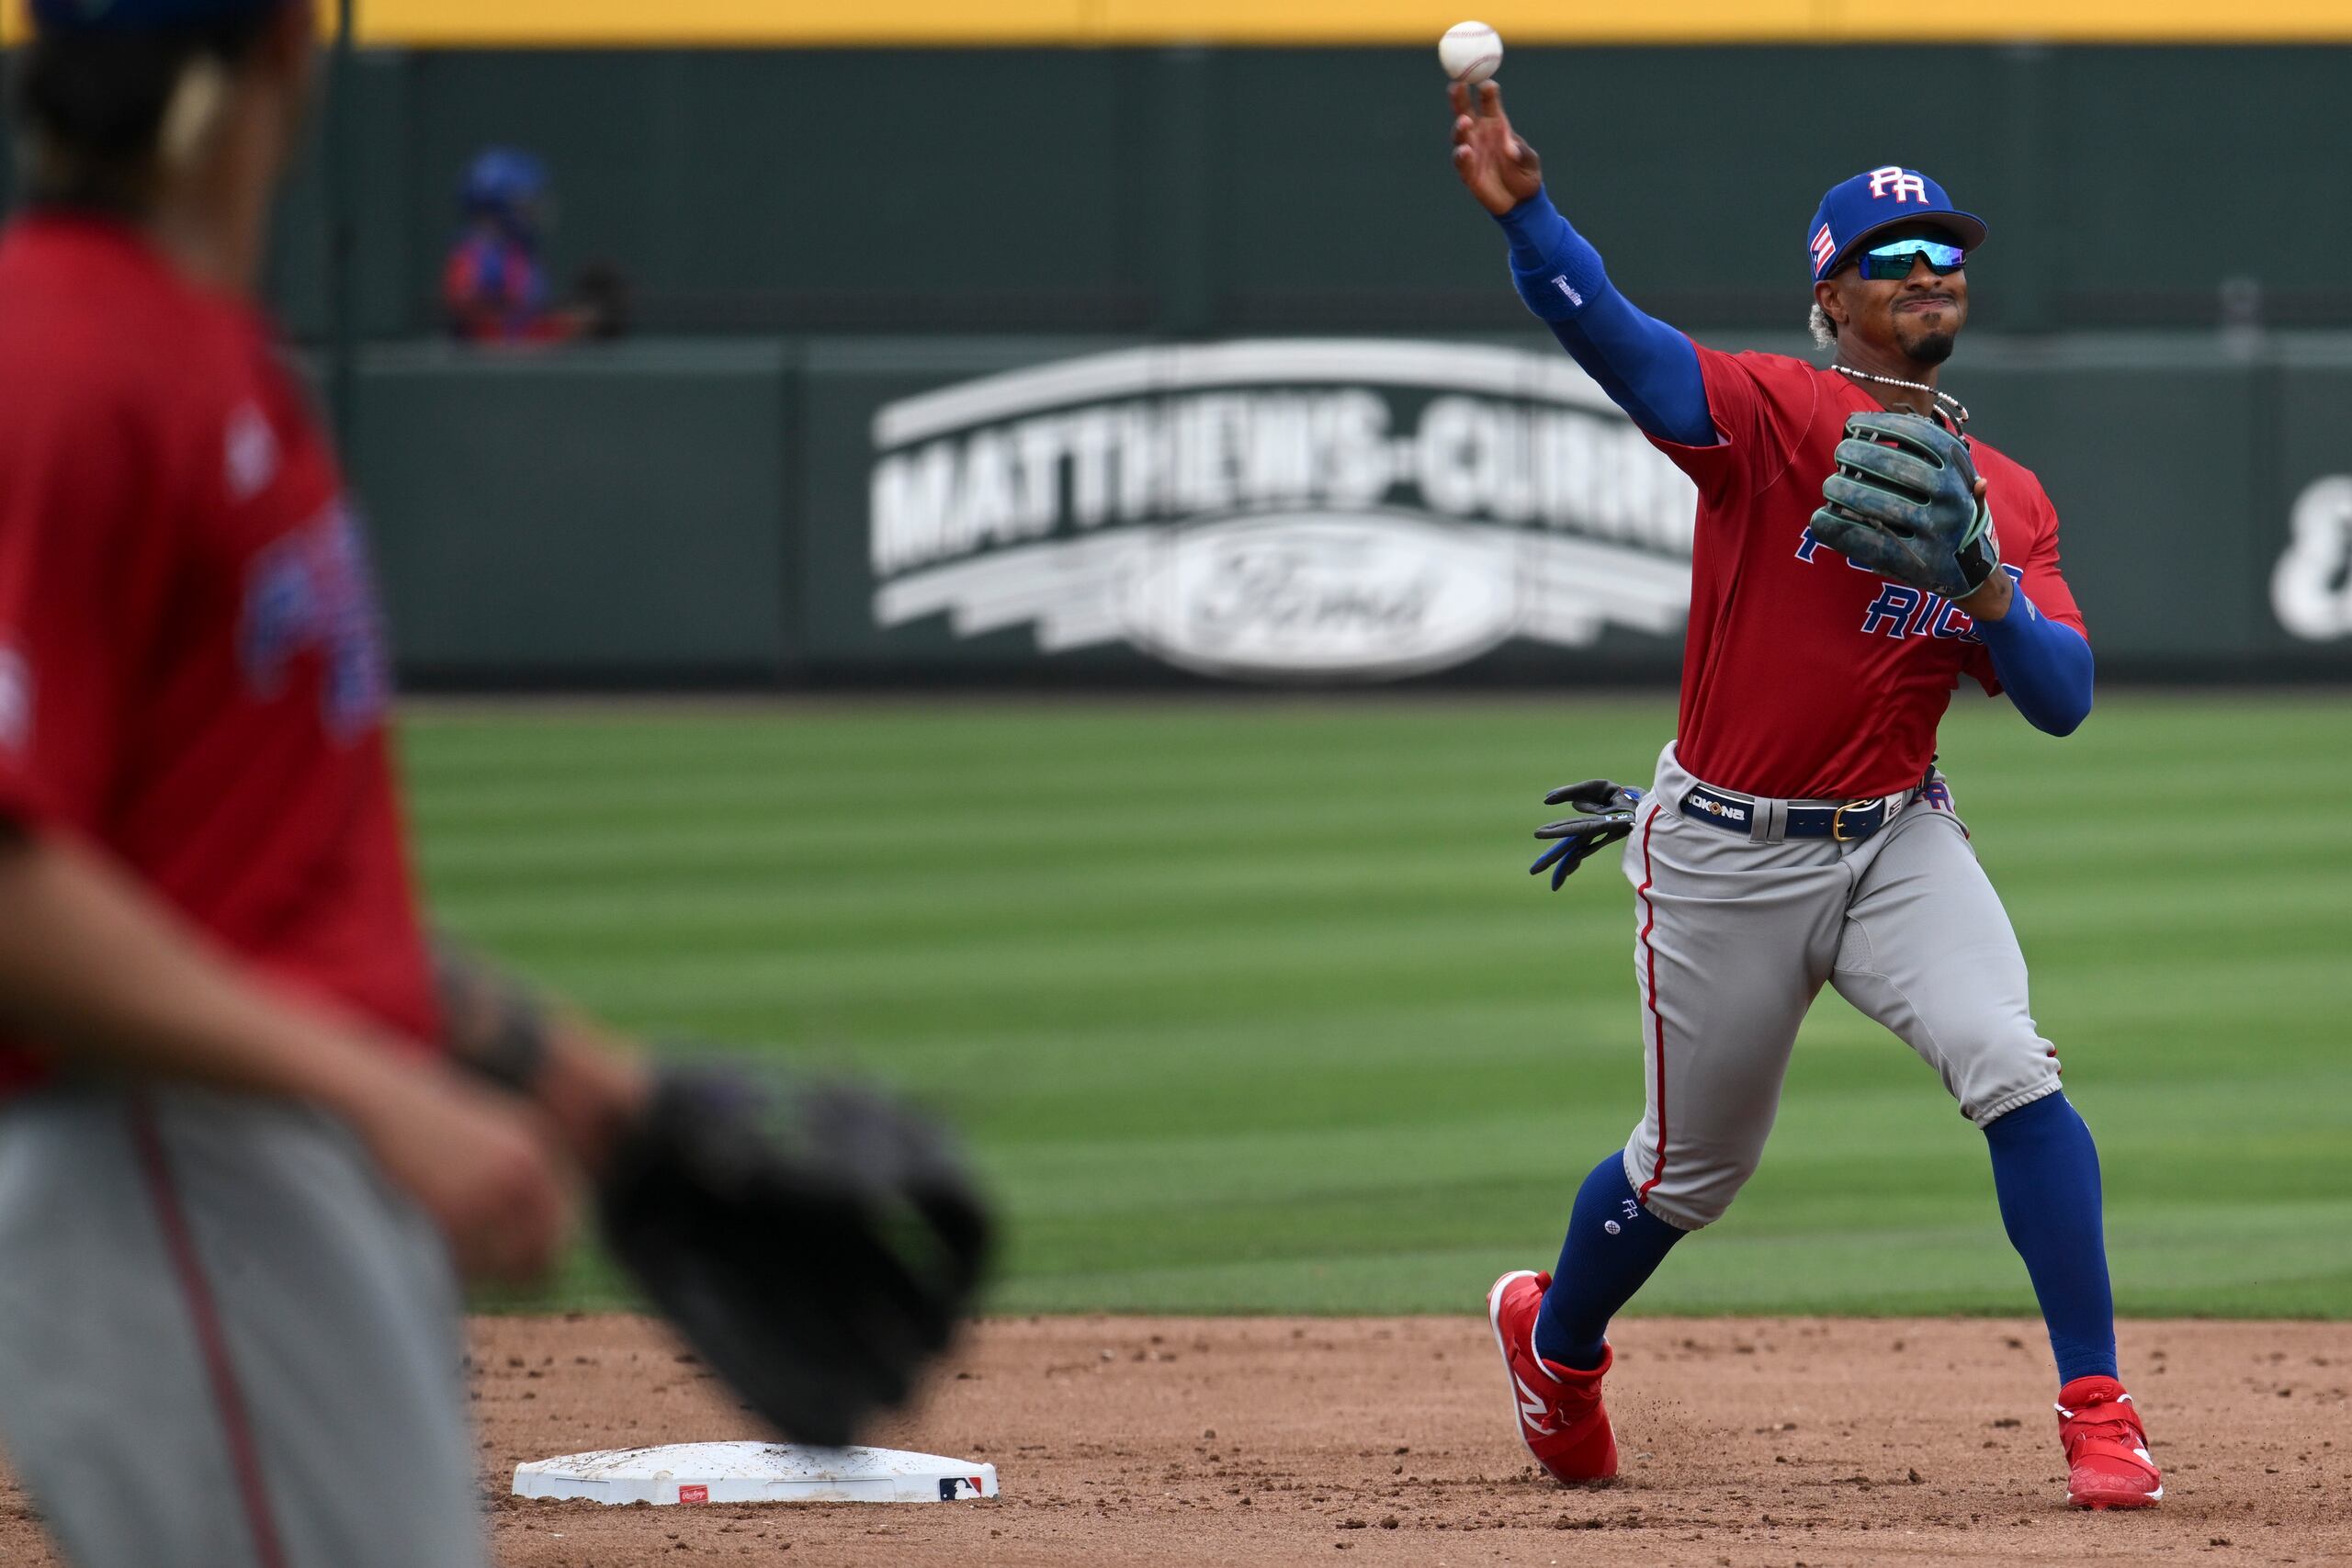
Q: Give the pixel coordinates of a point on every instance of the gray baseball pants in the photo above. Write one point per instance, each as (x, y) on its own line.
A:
(224, 1342)
(1734, 938)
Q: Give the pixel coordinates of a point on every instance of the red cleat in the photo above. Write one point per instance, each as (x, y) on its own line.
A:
(2106, 1448)
(1557, 1408)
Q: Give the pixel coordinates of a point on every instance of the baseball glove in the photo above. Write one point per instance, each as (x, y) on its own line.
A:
(1902, 502)
(816, 1245)
(1608, 815)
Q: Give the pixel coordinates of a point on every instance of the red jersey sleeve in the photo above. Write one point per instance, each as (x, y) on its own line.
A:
(2042, 581)
(2035, 548)
(1763, 404)
(71, 484)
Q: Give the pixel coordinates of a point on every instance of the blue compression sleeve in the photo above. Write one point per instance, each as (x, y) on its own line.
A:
(2045, 1170)
(1647, 368)
(2044, 665)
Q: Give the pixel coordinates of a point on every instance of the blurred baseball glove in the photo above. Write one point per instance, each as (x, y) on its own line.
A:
(1902, 502)
(606, 301)
(816, 1244)
(1608, 815)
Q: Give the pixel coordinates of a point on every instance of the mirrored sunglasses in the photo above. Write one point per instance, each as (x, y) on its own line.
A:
(1891, 262)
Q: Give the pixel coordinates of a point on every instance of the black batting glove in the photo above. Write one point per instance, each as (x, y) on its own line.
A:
(1608, 811)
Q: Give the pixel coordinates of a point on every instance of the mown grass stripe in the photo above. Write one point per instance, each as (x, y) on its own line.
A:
(1248, 1005)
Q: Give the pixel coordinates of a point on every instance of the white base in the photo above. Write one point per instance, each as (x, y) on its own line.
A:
(755, 1472)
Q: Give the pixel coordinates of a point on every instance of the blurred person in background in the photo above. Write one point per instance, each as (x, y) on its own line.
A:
(253, 1131)
(494, 286)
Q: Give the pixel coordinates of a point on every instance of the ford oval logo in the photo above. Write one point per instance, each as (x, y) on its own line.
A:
(1370, 597)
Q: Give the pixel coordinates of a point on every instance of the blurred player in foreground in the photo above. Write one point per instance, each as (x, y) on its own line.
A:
(1845, 572)
(240, 1148)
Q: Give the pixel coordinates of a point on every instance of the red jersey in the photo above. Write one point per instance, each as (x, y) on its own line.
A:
(192, 673)
(1802, 677)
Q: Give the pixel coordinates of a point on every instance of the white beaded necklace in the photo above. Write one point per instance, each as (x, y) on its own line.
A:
(1952, 406)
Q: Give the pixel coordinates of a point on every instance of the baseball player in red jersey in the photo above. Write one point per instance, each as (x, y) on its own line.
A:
(1855, 553)
(236, 1162)
(251, 1131)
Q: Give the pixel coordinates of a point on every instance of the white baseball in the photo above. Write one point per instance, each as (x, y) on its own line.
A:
(1470, 52)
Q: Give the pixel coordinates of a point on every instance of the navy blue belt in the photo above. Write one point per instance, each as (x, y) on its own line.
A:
(1847, 821)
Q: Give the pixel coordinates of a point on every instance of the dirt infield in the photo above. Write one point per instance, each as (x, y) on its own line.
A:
(1249, 1441)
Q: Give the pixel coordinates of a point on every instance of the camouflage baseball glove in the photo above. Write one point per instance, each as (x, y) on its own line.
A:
(1902, 502)
(815, 1244)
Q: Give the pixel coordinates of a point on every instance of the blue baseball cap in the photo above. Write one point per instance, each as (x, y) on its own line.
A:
(1852, 211)
(503, 182)
(142, 15)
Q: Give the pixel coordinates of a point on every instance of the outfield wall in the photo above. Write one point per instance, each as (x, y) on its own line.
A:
(777, 483)
(1205, 191)
(1330, 510)
(1213, 191)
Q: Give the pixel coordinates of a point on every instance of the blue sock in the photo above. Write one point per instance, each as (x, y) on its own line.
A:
(2046, 1170)
(1613, 1246)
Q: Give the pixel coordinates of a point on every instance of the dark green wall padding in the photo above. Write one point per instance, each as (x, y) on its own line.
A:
(812, 234)
(586, 517)
(1198, 190)
(697, 511)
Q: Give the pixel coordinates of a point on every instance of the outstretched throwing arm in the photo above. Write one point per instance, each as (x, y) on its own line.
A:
(1647, 367)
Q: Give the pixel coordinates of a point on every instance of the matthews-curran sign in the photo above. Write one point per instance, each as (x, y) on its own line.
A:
(1279, 509)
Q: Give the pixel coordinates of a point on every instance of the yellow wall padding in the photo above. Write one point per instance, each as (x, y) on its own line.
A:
(830, 23)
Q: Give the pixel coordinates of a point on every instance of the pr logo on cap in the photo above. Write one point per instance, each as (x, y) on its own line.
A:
(1899, 182)
(1861, 205)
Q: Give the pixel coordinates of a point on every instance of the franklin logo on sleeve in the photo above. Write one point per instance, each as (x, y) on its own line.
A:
(251, 454)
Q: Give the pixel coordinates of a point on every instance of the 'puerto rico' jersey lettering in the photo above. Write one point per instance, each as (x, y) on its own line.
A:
(1801, 679)
(310, 591)
(1891, 611)
(1901, 610)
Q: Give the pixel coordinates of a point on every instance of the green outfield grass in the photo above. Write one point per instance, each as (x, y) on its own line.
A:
(1249, 1006)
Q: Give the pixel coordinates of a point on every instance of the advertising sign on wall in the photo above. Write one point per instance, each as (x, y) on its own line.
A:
(2311, 589)
(1305, 510)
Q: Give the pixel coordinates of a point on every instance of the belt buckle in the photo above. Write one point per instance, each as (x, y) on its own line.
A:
(1837, 819)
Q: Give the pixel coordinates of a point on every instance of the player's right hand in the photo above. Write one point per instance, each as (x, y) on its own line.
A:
(1500, 169)
(481, 1164)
